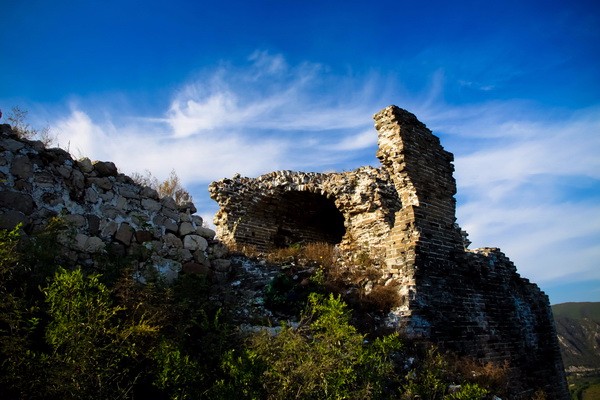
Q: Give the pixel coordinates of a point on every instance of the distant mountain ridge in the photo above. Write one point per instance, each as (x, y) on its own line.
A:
(578, 329)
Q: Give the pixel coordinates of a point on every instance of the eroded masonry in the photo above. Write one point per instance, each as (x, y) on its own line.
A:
(470, 301)
(106, 212)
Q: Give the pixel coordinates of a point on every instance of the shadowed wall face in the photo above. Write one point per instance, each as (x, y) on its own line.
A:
(304, 217)
(287, 217)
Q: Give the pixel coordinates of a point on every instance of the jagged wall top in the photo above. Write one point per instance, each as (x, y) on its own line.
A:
(414, 157)
(386, 210)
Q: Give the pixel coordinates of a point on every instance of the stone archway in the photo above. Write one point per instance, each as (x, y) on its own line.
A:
(303, 217)
(284, 217)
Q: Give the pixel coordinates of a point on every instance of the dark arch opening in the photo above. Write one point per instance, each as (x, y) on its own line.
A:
(304, 217)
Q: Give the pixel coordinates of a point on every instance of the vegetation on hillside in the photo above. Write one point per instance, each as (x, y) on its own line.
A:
(578, 327)
(590, 310)
(69, 333)
(584, 387)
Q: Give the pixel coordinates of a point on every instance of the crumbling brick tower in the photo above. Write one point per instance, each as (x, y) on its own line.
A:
(421, 171)
(469, 301)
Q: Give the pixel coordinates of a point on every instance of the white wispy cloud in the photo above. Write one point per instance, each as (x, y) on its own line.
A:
(189, 116)
(515, 163)
(266, 94)
(199, 158)
(358, 141)
(247, 119)
(520, 191)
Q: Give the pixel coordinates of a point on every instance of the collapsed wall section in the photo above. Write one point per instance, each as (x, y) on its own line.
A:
(106, 211)
(284, 207)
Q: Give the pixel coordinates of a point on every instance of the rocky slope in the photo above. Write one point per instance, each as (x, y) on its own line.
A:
(578, 328)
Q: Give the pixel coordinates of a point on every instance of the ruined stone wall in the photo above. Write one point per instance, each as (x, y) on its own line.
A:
(421, 171)
(107, 212)
(469, 301)
(285, 207)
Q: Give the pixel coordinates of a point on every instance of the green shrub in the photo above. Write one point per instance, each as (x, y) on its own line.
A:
(177, 374)
(95, 348)
(323, 358)
(242, 370)
(426, 379)
(468, 391)
(67, 335)
(86, 336)
(433, 374)
(26, 262)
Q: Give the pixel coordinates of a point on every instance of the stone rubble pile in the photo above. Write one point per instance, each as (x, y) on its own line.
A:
(106, 212)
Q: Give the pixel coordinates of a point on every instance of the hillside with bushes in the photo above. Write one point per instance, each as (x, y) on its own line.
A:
(67, 332)
(113, 288)
(578, 329)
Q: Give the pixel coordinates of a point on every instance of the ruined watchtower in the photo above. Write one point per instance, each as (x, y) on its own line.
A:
(469, 301)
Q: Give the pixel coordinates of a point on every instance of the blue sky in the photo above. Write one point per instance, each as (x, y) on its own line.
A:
(211, 89)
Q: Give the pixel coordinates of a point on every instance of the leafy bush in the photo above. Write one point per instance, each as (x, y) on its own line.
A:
(95, 347)
(75, 337)
(443, 376)
(19, 319)
(323, 358)
(468, 391)
(177, 373)
(26, 262)
(427, 379)
(85, 336)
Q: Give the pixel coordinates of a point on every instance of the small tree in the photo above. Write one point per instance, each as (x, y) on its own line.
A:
(18, 120)
(171, 186)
